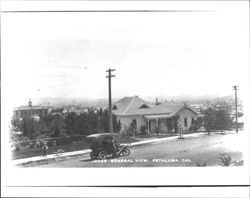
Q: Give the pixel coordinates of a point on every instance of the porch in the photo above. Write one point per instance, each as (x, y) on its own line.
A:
(164, 123)
(168, 123)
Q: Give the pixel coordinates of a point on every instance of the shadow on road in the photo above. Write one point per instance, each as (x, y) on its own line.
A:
(86, 160)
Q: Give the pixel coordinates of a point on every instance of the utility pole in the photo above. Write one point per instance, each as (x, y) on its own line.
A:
(110, 99)
(236, 110)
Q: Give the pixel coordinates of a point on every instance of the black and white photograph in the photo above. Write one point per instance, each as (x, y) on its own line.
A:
(123, 92)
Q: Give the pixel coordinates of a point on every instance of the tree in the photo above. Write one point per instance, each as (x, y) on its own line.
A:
(32, 128)
(180, 127)
(71, 123)
(55, 125)
(15, 124)
(157, 129)
(116, 124)
(209, 119)
(223, 120)
(177, 125)
(217, 119)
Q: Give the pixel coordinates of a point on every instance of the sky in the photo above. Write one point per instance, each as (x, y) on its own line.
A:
(154, 54)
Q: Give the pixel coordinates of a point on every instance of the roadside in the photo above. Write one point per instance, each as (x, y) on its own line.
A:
(78, 145)
(68, 146)
(203, 150)
(31, 161)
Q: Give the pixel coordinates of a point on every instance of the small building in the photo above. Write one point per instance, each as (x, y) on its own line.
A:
(138, 113)
(30, 111)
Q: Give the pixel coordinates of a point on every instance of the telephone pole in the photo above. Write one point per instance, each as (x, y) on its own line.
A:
(110, 99)
(236, 110)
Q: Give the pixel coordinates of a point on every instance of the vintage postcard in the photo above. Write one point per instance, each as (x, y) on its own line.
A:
(125, 93)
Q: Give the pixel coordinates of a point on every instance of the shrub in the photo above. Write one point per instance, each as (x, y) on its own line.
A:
(143, 129)
(193, 127)
(226, 161)
(157, 129)
(200, 164)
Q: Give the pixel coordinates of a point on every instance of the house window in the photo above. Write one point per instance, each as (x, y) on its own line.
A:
(185, 122)
(144, 106)
(134, 124)
(192, 120)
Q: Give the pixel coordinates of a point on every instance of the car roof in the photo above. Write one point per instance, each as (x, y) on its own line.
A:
(101, 135)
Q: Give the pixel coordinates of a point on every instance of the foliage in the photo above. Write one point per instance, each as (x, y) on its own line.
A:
(217, 119)
(58, 125)
(179, 126)
(175, 123)
(157, 129)
(193, 127)
(169, 124)
(131, 130)
(200, 164)
(223, 120)
(226, 161)
(143, 129)
(210, 119)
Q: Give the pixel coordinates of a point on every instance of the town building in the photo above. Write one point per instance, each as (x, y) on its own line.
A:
(31, 111)
(138, 113)
(74, 109)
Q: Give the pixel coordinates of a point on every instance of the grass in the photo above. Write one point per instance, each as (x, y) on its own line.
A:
(154, 135)
(24, 153)
(79, 145)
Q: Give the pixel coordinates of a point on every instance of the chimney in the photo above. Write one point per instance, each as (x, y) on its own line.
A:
(156, 101)
(30, 103)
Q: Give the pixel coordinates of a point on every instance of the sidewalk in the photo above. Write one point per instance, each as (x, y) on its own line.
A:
(87, 151)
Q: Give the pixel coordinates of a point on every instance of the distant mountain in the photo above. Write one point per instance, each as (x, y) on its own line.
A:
(189, 99)
(225, 98)
(87, 102)
(63, 101)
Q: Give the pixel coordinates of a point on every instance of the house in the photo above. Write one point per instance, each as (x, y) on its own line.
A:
(137, 113)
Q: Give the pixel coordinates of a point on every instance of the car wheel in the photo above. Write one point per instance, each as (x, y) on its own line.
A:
(93, 155)
(125, 151)
(102, 155)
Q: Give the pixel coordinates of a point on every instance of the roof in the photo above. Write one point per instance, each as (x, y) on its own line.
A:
(137, 106)
(158, 116)
(129, 106)
(175, 108)
(30, 107)
(100, 136)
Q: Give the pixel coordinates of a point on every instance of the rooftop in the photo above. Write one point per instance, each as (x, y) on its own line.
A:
(136, 106)
(31, 107)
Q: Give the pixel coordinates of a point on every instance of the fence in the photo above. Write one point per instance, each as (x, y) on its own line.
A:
(31, 144)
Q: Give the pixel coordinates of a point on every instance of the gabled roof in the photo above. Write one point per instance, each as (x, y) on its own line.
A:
(175, 108)
(129, 106)
(132, 106)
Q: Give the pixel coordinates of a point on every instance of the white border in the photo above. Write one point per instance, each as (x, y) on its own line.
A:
(119, 176)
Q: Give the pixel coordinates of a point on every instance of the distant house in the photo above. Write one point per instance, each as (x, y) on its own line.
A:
(240, 122)
(74, 109)
(198, 107)
(138, 113)
(31, 111)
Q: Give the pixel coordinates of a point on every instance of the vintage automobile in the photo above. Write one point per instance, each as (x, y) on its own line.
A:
(105, 145)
